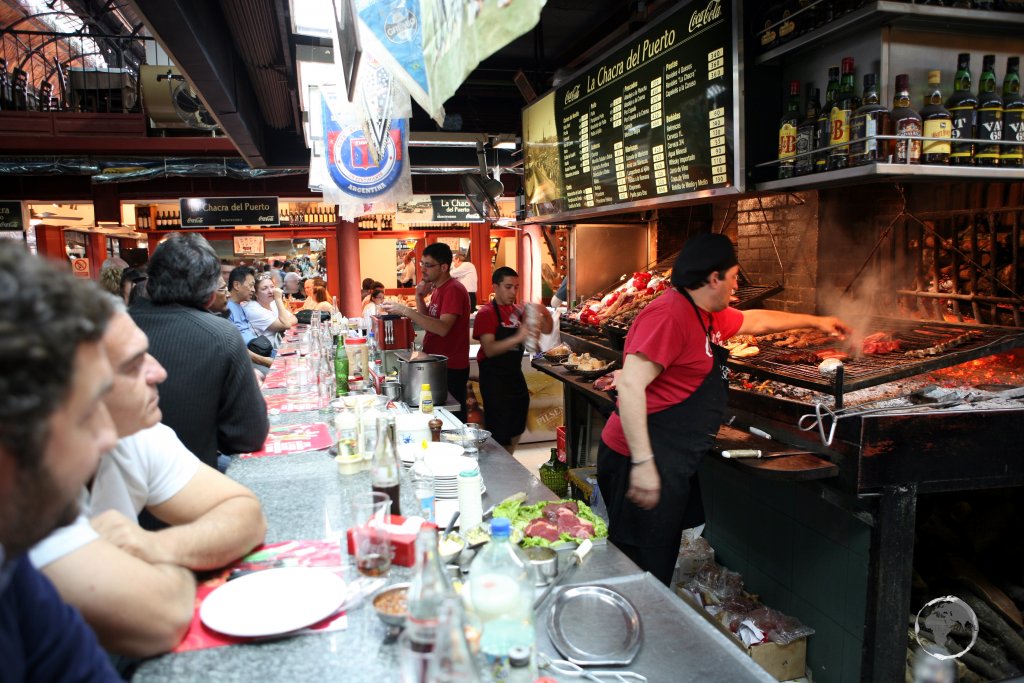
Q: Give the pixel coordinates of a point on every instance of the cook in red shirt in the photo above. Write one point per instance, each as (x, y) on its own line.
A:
(446, 319)
(672, 396)
(501, 330)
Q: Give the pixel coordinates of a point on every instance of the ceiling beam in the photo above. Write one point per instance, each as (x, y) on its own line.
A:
(196, 36)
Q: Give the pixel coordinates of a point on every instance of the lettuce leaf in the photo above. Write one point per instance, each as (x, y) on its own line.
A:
(520, 516)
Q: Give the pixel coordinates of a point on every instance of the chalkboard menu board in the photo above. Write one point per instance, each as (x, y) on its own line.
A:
(650, 122)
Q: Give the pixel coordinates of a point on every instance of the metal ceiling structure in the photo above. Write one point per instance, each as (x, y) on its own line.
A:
(240, 57)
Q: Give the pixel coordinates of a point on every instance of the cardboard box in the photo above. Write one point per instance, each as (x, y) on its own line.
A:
(403, 543)
(784, 662)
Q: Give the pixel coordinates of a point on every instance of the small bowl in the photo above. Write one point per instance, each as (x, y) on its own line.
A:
(555, 357)
(450, 547)
(396, 591)
(545, 563)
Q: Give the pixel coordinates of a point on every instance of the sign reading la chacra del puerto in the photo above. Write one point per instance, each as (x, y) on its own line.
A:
(351, 165)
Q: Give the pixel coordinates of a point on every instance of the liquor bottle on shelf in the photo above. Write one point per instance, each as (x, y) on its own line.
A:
(961, 106)
(822, 131)
(807, 18)
(787, 24)
(804, 162)
(5, 86)
(990, 114)
(1013, 116)
(768, 36)
(787, 131)
(839, 118)
(937, 123)
(871, 119)
(905, 122)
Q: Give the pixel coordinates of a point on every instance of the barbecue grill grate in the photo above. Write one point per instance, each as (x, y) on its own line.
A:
(872, 370)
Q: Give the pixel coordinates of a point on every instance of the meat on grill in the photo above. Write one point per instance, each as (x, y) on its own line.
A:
(794, 357)
(541, 528)
(831, 353)
(879, 343)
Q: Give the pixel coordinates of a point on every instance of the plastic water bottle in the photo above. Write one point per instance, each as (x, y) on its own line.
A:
(423, 484)
(501, 591)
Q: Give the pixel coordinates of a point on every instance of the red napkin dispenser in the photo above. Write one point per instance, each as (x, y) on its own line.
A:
(393, 332)
(403, 544)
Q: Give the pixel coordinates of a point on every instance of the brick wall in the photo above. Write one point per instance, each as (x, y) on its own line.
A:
(777, 241)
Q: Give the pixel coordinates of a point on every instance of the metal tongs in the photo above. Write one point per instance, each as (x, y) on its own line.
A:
(563, 667)
(822, 413)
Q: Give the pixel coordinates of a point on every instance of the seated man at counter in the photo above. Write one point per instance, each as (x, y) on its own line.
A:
(502, 330)
(446, 319)
(135, 587)
(53, 429)
(672, 397)
(211, 399)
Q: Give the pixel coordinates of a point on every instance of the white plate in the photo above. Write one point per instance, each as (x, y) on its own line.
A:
(407, 452)
(273, 601)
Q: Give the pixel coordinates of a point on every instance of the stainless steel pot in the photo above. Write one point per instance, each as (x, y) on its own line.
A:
(416, 369)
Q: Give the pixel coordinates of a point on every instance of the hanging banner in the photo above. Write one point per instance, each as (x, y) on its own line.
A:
(348, 175)
(431, 47)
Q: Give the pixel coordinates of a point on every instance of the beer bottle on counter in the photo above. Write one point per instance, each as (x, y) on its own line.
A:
(787, 131)
(905, 122)
(990, 114)
(384, 468)
(871, 119)
(961, 106)
(846, 103)
(804, 164)
(1013, 116)
(822, 132)
(937, 123)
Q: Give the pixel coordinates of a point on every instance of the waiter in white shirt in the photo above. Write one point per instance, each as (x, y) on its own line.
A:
(465, 272)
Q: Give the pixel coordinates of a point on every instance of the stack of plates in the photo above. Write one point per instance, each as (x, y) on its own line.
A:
(445, 461)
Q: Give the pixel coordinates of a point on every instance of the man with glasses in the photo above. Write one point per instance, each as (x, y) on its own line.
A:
(445, 319)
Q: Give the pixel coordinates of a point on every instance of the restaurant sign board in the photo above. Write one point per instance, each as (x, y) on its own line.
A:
(227, 212)
(11, 218)
(437, 208)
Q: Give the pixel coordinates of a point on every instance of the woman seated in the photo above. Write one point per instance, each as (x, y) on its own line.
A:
(321, 300)
(312, 283)
(268, 313)
(373, 306)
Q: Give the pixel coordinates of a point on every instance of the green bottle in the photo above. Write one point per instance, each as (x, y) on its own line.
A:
(990, 115)
(1013, 116)
(553, 474)
(341, 369)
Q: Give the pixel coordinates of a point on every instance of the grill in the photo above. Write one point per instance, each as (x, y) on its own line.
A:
(872, 370)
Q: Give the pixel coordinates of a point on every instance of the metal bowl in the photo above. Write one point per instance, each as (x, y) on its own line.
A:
(468, 438)
(386, 593)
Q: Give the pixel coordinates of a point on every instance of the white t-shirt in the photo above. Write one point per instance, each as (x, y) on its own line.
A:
(144, 469)
(465, 273)
(261, 319)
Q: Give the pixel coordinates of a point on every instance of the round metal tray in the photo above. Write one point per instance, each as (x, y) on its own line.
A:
(594, 625)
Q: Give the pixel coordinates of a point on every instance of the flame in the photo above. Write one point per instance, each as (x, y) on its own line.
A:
(1001, 368)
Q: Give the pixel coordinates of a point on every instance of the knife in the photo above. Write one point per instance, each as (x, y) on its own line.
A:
(739, 453)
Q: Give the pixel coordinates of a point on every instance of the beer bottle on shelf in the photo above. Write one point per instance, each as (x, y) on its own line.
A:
(871, 119)
(990, 114)
(1013, 116)
(961, 106)
(822, 132)
(905, 122)
(839, 118)
(937, 123)
(787, 131)
(804, 164)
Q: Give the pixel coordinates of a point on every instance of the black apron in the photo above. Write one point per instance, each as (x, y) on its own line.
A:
(503, 388)
(680, 437)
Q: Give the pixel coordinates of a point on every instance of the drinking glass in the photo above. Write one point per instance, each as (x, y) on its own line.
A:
(371, 541)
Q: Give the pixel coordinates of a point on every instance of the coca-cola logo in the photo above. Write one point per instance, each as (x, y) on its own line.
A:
(705, 16)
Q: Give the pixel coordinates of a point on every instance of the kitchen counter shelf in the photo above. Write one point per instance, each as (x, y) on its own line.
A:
(885, 12)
